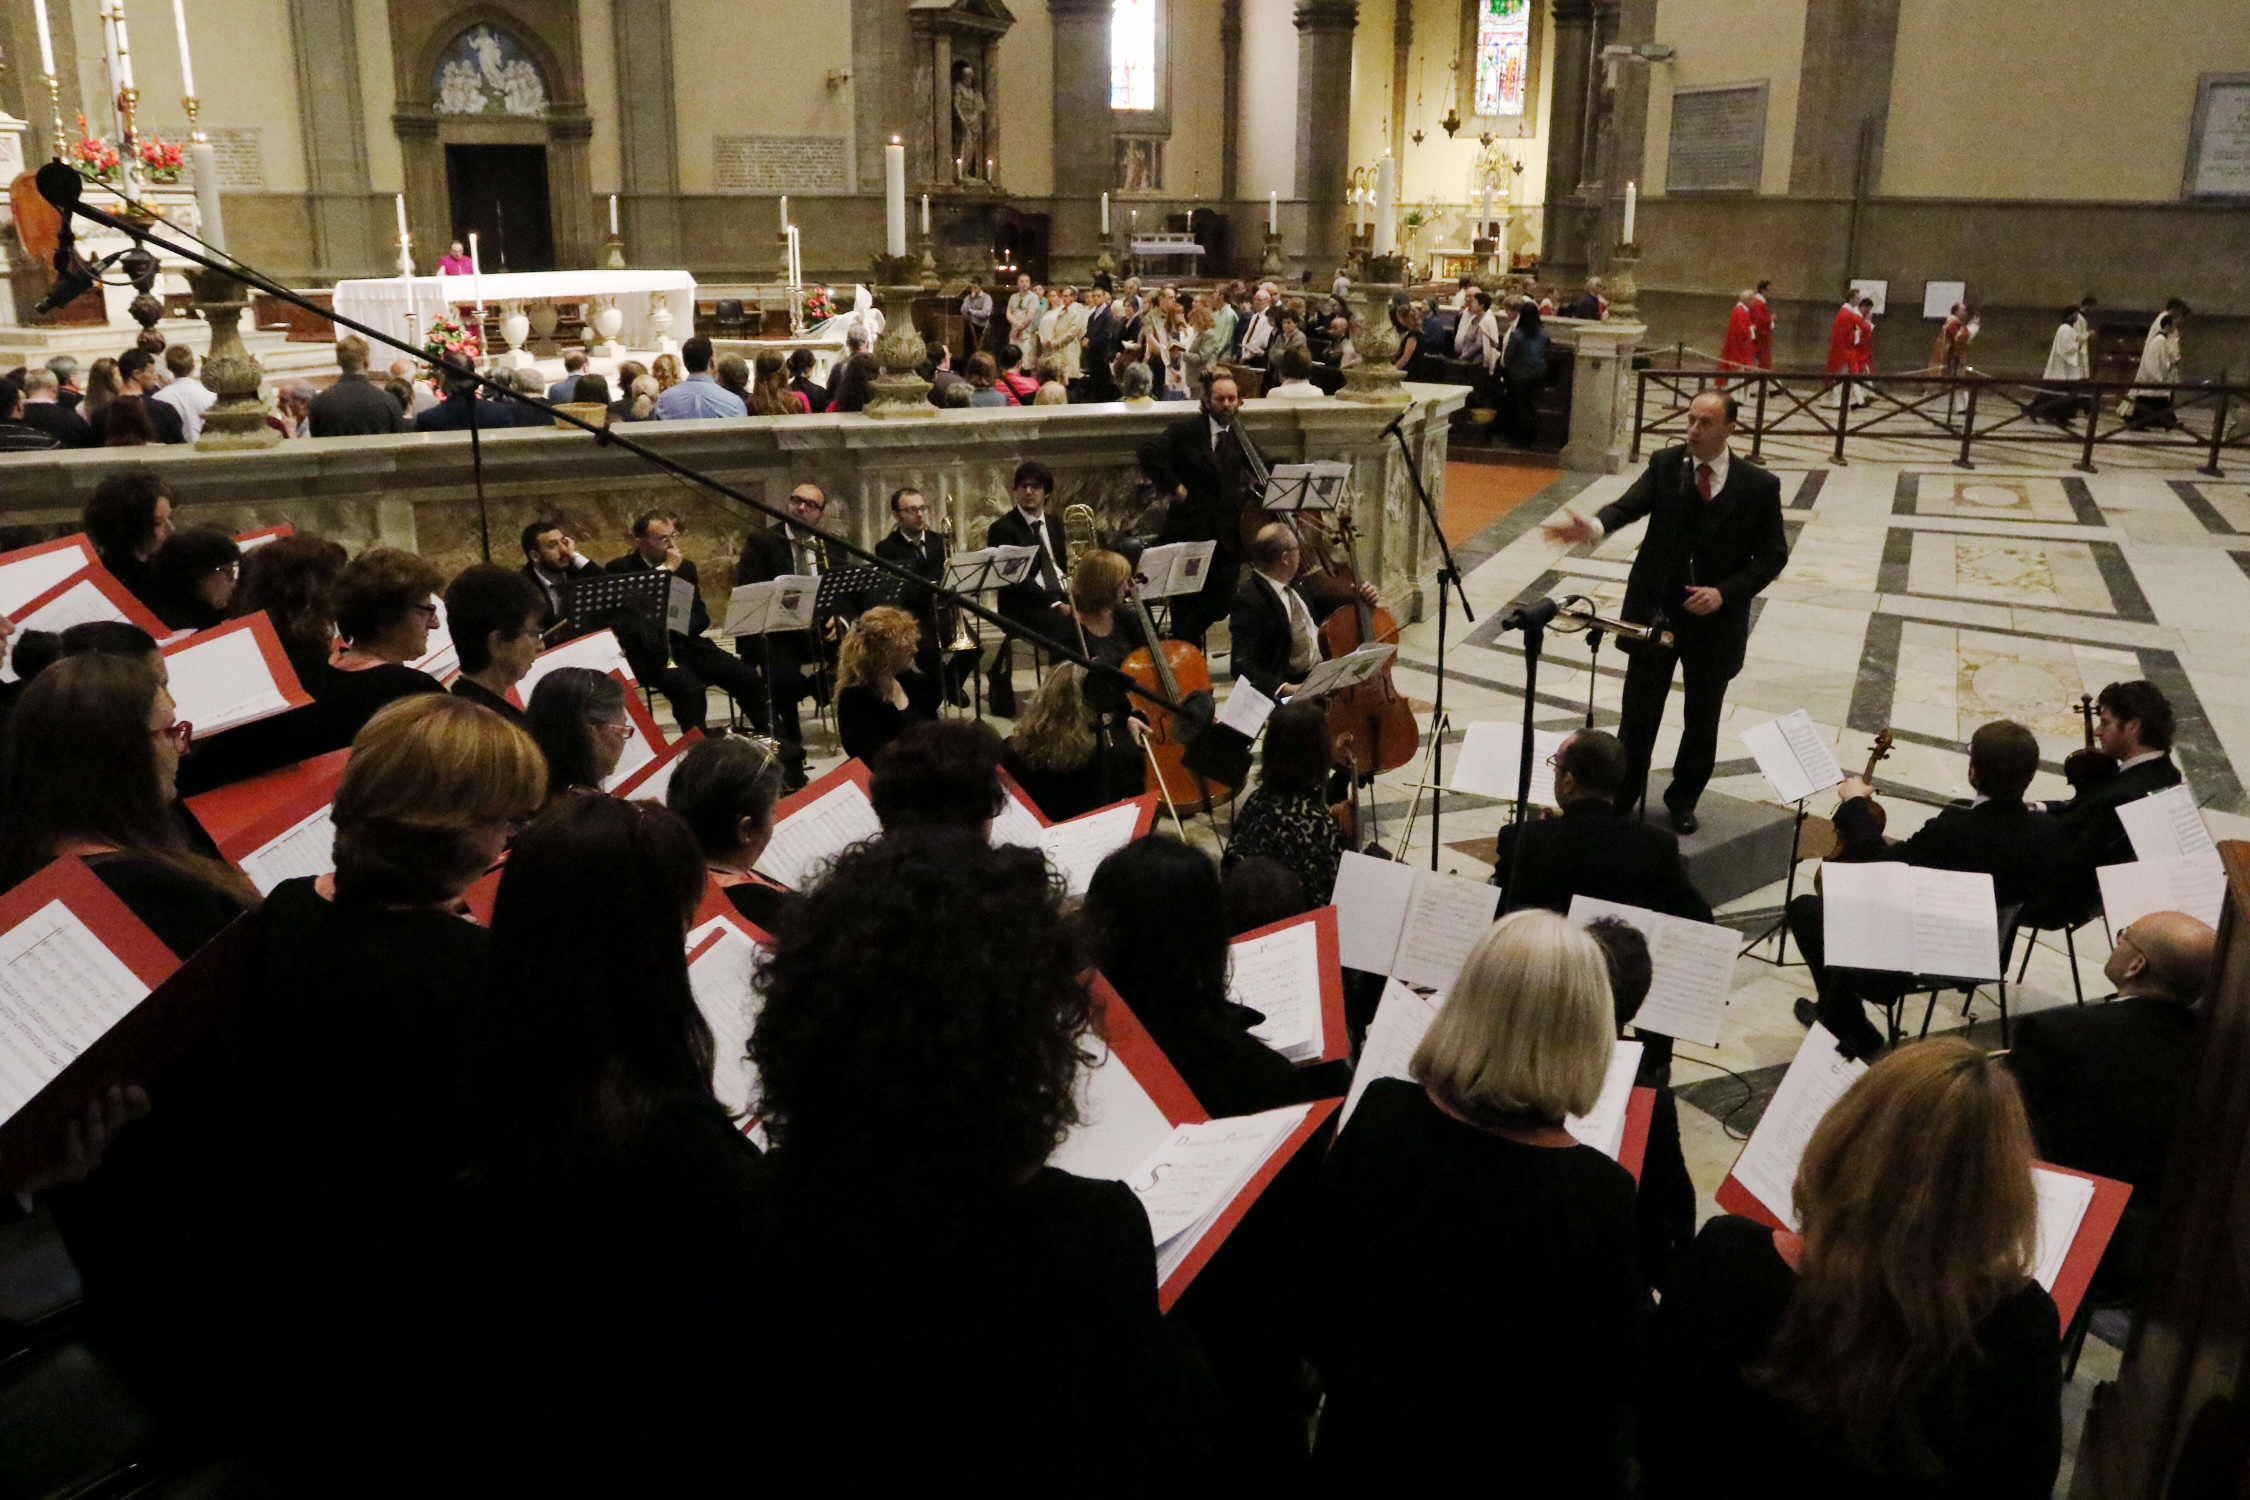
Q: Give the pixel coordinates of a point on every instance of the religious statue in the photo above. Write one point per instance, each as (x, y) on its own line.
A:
(968, 120)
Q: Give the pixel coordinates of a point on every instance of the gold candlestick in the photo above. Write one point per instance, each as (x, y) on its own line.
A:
(54, 99)
(194, 108)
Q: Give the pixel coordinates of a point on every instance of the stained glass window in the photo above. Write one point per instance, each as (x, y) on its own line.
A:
(1132, 55)
(1503, 56)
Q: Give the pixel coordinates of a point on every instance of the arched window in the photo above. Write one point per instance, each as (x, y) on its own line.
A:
(1503, 54)
(1132, 55)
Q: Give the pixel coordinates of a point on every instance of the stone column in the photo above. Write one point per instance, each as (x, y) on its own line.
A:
(325, 41)
(648, 136)
(1402, 53)
(1844, 90)
(1569, 137)
(570, 185)
(1324, 111)
(1085, 149)
(1230, 93)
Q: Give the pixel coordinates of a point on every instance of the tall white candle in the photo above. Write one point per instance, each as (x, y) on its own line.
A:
(1105, 216)
(476, 273)
(46, 39)
(784, 213)
(894, 198)
(1386, 205)
(124, 49)
(187, 68)
(1273, 213)
(206, 159)
(925, 213)
(1632, 202)
(613, 215)
(401, 202)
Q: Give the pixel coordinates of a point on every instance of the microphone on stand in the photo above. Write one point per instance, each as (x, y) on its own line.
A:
(1529, 617)
(1579, 612)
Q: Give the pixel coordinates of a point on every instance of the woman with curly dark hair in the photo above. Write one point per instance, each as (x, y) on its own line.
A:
(920, 1273)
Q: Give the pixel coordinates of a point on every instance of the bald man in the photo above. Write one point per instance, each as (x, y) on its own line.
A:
(2104, 1084)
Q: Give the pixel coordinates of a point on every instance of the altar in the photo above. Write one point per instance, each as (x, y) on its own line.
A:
(655, 305)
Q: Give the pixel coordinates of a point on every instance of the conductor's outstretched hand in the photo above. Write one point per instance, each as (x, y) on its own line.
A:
(1568, 529)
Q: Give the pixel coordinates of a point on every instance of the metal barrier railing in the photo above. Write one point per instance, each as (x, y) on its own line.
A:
(1961, 410)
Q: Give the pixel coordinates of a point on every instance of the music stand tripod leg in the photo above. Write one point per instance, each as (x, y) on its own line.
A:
(1779, 931)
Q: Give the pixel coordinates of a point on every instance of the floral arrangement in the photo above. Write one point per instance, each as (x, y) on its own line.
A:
(450, 338)
(92, 155)
(820, 304)
(161, 159)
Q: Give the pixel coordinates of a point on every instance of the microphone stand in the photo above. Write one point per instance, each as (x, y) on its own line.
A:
(602, 435)
(1532, 620)
(1448, 578)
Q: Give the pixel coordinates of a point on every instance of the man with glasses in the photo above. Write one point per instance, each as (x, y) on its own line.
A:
(494, 616)
(914, 546)
(1593, 849)
(794, 547)
(681, 664)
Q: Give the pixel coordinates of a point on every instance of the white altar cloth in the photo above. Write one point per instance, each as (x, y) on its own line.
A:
(383, 303)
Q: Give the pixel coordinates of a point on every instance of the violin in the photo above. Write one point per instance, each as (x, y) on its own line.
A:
(1179, 672)
(2088, 767)
(1373, 720)
(1859, 832)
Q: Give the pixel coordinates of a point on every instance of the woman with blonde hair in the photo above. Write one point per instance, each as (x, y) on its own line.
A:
(1099, 587)
(873, 705)
(668, 372)
(1050, 752)
(1897, 1344)
(1480, 1281)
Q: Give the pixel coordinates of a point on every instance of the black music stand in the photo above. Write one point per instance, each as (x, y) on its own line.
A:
(608, 597)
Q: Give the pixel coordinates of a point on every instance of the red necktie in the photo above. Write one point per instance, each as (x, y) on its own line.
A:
(1703, 480)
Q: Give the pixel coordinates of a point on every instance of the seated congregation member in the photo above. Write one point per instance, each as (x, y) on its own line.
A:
(578, 717)
(2134, 729)
(873, 704)
(1287, 817)
(92, 755)
(918, 1271)
(2022, 849)
(192, 576)
(600, 1176)
(944, 773)
(1053, 752)
(128, 518)
(386, 605)
(494, 618)
(1897, 1345)
(550, 561)
(1665, 1204)
(1592, 849)
(689, 663)
(353, 405)
(725, 791)
(700, 394)
(2104, 1084)
(1461, 1219)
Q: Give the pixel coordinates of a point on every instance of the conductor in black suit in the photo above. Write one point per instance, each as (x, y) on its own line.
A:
(794, 656)
(1199, 461)
(1039, 603)
(914, 546)
(689, 662)
(1594, 849)
(2134, 729)
(1714, 540)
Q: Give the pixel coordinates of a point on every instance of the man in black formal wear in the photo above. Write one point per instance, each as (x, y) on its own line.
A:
(1040, 604)
(1200, 462)
(1714, 540)
(550, 560)
(1273, 627)
(914, 546)
(1105, 332)
(44, 408)
(791, 661)
(2134, 729)
(689, 662)
(2104, 1084)
(2020, 847)
(1593, 849)
(354, 406)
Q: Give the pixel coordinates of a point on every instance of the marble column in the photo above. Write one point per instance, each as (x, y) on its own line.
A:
(1230, 91)
(648, 136)
(1324, 110)
(1085, 149)
(346, 241)
(1569, 114)
(1844, 91)
(570, 185)
(1402, 53)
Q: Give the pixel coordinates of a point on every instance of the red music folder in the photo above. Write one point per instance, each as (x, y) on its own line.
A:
(91, 593)
(276, 827)
(232, 674)
(645, 748)
(92, 1000)
(1640, 1113)
(28, 572)
(1290, 972)
(652, 782)
(250, 541)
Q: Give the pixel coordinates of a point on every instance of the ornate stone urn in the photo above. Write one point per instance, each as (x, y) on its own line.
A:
(900, 391)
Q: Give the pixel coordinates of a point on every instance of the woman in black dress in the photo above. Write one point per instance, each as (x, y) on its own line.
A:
(1482, 1307)
(1897, 1346)
(725, 791)
(192, 576)
(578, 717)
(127, 519)
(1110, 633)
(1052, 751)
(1286, 818)
(873, 703)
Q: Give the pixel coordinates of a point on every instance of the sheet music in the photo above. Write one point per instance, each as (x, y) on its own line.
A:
(1246, 709)
(1345, 671)
(61, 990)
(1793, 756)
(1491, 761)
(2191, 883)
(76, 605)
(1013, 564)
(308, 847)
(224, 681)
(1693, 963)
(1818, 1076)
(2166, 825)
(658, 786)
(679, 605)
(806, 841)
(1017, 826)
(1402, 1019)
(2063, 1201)
(1119, 1126)
(25, 577)
(1603, 1127)
(251, 541)
(1189, 1182)
(1075, 848)
(1956, 924)
(598, 652)
(965, 568)
(723, 979)
(784, 603)
(1278, 976)
(1910, 920)
(1320, 485)
(1189, 573)
(1371, 898)
(1153, 573)
(1444, 920)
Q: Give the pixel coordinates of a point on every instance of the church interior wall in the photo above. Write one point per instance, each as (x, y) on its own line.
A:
(1266, 160)
(1194, 165)
(378, 96)
(597, 55)
(1728, 42)
(733, 76)
(1027, 105)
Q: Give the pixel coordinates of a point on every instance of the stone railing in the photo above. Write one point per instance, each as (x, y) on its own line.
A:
(419, 491)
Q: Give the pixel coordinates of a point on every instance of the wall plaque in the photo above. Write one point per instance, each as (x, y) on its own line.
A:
(1718, 140)
(781, 163)
(240, 149)
(2218, 162)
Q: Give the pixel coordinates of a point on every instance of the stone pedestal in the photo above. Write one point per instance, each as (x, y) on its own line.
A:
(1623, 287)
(615, 259)
(1376, 380)
(1601, 392)
(237, 420)
(900, 391)
(1269, 263)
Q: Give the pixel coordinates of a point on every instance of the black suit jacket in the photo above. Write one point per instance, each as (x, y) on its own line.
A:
(1594, 850)
(1031, 600)
(2089, 819)
(1218, 484)
(815, 394)
(1735, 544)
(1258, 625)
(356, 407)
(163, 420)
(2020, 847)
(699, 617)
(924, 559)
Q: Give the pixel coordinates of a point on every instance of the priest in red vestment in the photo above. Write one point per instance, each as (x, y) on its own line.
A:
(1740, 351)
(1845, 337)
(1761, 326)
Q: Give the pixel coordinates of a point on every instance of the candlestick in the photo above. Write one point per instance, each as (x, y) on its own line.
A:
(1105, 216)
(613, 214)
(1632, 201)
(894, 200)
(124, 52)
(187, 68)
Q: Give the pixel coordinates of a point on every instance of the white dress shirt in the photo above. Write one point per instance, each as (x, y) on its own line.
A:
(1304, 639)
(1719, 467)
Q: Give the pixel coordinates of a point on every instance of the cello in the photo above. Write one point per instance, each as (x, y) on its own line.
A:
(1372, 723)
(1178, 671)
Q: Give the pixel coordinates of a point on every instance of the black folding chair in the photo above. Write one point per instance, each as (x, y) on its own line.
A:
(2064, 915)
(2010, 919)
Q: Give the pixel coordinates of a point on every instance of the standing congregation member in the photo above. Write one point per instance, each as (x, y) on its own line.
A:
(578, 718)
(1038, 603)
(1461, 1219)
(1024, 310)
(873, 705)
(1897, 1344)
(185, 394)
(1287, 817)
(1714, 541)
(386, 605)
(688, 663)
(918, 1269)
(494, 616)
(1523, 363)
(128, 518)
(192, 578)
(1594, 849)
(700, 394)
(725, 791)
(1200, 462)
(353, 405)
(976, 314)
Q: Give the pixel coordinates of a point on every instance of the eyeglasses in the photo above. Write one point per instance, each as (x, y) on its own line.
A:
(622, 728)
(429, 609)
(177, 734)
